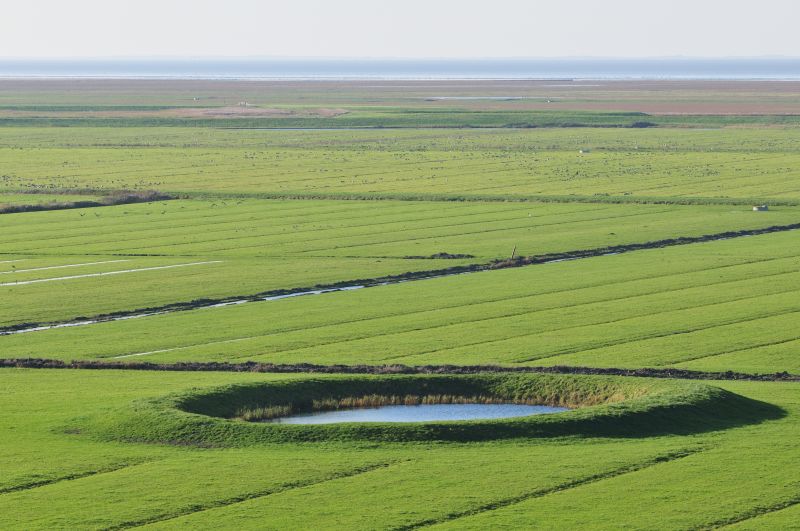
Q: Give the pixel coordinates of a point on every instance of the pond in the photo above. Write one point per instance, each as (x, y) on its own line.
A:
(419, 413)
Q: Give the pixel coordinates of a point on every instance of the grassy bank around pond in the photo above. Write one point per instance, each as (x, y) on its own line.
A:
(604, 407)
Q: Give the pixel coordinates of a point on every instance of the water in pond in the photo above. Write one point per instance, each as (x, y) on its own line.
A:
(419, 413)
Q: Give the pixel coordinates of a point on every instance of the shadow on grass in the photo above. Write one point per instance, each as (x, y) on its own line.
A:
(609, 407)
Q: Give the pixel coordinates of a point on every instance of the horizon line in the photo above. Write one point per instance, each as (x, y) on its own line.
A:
(396, 58)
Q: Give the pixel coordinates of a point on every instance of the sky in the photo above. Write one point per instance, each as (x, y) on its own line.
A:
(399, 28)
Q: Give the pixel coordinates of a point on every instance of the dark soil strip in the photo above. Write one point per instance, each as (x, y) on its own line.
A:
(753, 513)
(393, 279)
(113, 198)
(498, 198)
(558, 488)
(252, 496)
(309, 368)
(70, 477)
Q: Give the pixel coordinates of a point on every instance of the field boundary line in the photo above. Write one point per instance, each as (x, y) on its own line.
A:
(310, 368)
(539, 493)
(405, 277)
(277, 489)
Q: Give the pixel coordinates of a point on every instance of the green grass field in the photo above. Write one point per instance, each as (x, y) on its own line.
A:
(252, 213)
(723, 475)
(61, 265)
(633, 164)
(727, 305)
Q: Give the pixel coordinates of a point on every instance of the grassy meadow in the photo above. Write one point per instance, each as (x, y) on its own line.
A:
(693, 165)
(83, 262)
(726, 305)
(50, 477)
(395, 187)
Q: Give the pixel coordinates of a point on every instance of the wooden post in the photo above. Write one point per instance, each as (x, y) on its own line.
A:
(514, 252)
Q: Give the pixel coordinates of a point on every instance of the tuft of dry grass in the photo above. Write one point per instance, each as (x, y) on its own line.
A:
(263, 413)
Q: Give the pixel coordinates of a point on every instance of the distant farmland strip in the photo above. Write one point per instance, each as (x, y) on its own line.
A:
(721, 166)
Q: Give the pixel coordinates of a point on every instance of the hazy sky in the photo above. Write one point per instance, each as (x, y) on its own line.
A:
(399, 28)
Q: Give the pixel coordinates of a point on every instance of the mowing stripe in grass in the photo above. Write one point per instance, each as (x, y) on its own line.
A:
(658, 335)
(475, 305)
(734, 351)
(107, 273)
(417, 275)
(754, 512)
(573, 350)
(255, 495)
(141, 228)
(385, 240)
(499, 504)
(550, 330)
(72, 477)
(384, 237)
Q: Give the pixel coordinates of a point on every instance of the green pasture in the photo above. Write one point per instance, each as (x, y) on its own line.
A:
(718, 165)
(82, 262)
(57, 477)
(726, 305)
(402, 183)
(761, 140)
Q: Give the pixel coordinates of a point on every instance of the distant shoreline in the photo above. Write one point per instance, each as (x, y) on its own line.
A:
(765, 69)
(321, 79)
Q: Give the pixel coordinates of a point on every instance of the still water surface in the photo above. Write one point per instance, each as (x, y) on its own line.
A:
(419, 413)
